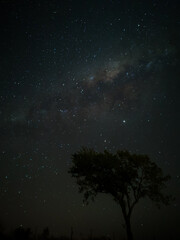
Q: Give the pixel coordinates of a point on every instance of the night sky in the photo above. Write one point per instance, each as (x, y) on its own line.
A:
(101, 74)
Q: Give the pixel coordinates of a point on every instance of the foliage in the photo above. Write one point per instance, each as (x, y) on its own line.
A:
(127, 177)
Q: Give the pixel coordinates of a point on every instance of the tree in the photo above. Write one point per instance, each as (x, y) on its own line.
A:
(127, 177)
(45, 233)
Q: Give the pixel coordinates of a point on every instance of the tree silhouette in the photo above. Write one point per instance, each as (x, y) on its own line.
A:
(127, 177)
(45, 233)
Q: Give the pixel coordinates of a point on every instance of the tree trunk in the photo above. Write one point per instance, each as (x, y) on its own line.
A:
(128, 228)
(127, 217)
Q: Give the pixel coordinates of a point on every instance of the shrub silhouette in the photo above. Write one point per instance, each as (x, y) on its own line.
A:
(127, 177)
(21, 233)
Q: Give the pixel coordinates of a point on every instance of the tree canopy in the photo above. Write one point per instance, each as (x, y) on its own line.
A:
(127, 177)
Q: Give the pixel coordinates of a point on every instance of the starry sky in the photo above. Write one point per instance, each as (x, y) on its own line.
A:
(101, 74)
